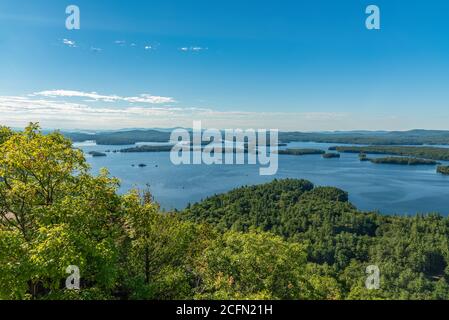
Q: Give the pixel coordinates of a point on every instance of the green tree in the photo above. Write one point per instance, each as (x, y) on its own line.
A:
(254, 265)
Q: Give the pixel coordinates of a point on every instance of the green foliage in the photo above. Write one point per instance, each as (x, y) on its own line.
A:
(412, 137)
(15, 267)
(328, 193)
(443, 170)
(404, 161)
(433, 153)
(301, 152)
(411, 252)
(161, 251)
(244, 207)
(55, 215)
(148, 149)
(120, 137)
(5, 134)
(253, 265)
(283, 240)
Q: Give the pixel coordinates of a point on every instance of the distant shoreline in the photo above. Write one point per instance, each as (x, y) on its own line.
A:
(393, 138)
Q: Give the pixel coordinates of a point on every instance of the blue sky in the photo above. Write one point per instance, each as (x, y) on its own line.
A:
(290, 65)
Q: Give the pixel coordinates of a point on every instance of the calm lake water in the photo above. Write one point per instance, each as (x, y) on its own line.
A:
(390, 189)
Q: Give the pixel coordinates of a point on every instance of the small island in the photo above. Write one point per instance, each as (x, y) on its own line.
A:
(301, 152)
(166, 148)
(363, 157)
(404, 161)
(187, 147)
(433, 153)
(443, 170)
(97, 154)
(330, 155)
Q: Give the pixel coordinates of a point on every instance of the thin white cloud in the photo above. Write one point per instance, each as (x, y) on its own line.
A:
(193, 49)
(143, 98)
(69, 43)
(97, 50)
(148, 98)
(197, 49)
(51, 110)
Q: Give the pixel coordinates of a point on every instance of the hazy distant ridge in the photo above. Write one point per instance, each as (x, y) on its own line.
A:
(412, 137)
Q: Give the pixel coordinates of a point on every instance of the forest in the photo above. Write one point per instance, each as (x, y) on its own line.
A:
(125, 137)
(330, 155)
(433, 153)
(443, 170)
(301, 152)
(286, 239)
(412, 137)
(403, 161)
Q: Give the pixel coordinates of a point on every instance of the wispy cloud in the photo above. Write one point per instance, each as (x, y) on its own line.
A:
(143, 98)
(120, 42)
(192, 49)
(96, 50)
(58, 109)
(69, 43)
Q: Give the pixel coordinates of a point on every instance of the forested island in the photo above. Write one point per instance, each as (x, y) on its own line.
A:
(125, 137)
(301, 152)
(363, 157)
(412, 137)
(404, 161)
(286, 239)
(433, 153)
(97, 154)
(443, 170)
(146, 148)
(331, 155)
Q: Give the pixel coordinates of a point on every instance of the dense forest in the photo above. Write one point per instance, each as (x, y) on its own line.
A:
(433, 153)
(412, 137)
(120, 137)
(287, 239)
(403, 161)
(412, 253)
(301, 152)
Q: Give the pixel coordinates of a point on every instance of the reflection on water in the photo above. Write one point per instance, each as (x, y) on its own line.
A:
(392, 189)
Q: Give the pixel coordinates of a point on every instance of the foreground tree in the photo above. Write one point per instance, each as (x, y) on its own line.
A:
(53, 215)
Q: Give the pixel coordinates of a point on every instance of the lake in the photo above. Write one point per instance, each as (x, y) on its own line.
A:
(390, 189)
